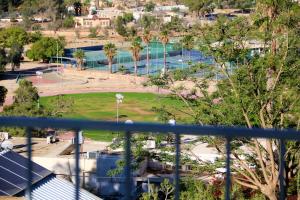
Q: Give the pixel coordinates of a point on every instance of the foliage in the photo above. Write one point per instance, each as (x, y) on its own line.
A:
(3, 59)
(149, 7)
(26, 103)
(257, 90)
(13, 35)
(35, 36)
(93, 32)
(147, 21)
(3, 92)
(69, 22)
(110, 51)
(136, 48)
(127, 17)
(120, 26)
(201, 7)
(79, 55)
(15, 56)
(45, 48)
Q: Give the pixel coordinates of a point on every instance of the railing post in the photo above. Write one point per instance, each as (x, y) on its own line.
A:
(282, 170)
(177, 165)
(77, 166)
(228, 179)
(128, 183)
(29, 164)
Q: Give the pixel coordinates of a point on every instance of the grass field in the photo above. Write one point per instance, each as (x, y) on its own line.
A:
(102, 106)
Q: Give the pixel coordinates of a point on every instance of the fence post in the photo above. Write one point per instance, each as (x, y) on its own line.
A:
(29, 164)
(228, 179)
(128, 183)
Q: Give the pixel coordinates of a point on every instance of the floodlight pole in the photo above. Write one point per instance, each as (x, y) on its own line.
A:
(119, 98)
(117, 111)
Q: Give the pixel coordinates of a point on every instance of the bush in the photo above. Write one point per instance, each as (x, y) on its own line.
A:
(68, 22)
(93, 32)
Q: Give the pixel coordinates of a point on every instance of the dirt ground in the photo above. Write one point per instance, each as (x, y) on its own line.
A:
(70, 81)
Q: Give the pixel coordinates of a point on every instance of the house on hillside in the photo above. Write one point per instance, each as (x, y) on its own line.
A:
(92, 21)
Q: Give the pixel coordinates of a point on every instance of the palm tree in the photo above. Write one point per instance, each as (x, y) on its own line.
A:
(147, 38)
(136, 48)
(164, 38)
(79, 55)
(188, 43)
(110, 51)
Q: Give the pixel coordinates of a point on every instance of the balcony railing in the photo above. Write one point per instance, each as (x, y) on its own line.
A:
(228, 133)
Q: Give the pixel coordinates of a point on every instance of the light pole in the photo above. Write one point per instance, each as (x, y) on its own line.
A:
(119, 98)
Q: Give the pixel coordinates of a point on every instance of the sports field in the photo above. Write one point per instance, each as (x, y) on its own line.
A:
(102, 106)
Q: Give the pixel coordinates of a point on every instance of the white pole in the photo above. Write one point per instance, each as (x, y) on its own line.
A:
(117, 111)
(56, 56)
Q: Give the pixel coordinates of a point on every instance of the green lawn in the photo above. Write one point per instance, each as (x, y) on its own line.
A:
(102, 106)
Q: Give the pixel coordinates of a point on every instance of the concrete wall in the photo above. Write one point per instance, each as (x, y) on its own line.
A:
(65, 165)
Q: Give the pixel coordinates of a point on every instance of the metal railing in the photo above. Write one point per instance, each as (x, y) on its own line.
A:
(227, 132)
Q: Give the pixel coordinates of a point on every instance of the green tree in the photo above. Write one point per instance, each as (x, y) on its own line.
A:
(69, 22)
(127, 17)
(15, 56)
(201, 7)
(136, 48)
(120, 27)
(149, 7)
(3, 92)
(147, 21)
(3, 59)
(13, 35)
(257, 89)
(110, 51)
(164, 38)
(45, 48)
(147, 37)
(188, 43)
(79, 55)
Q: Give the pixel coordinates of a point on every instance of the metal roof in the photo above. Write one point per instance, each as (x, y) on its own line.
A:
(13, 173)
(60, 189)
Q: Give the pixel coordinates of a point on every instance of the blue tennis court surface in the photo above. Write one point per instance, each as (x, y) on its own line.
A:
(176, 58)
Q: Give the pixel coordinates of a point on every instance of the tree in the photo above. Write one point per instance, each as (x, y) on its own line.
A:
(3, 59)
(45, 48)
(188, 43)
(136, 48)
(164, 38)
(120, 28)
(147, 21)
(79, 55)
(13, 35)
(147, 39)
(256, 89)
(3, 92)
(69, 22)
(15, 56)
(201, 7)
(149, 7)
(110, 51)
(26, 93)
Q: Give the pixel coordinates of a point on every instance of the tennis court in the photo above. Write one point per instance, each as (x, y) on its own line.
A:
(177, 58)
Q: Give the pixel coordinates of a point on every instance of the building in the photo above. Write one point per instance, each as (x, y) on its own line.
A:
(110, 13)
(45, 185)
(92, 21)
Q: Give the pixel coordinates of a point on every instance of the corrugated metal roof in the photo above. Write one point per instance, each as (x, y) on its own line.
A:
(60, 189)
